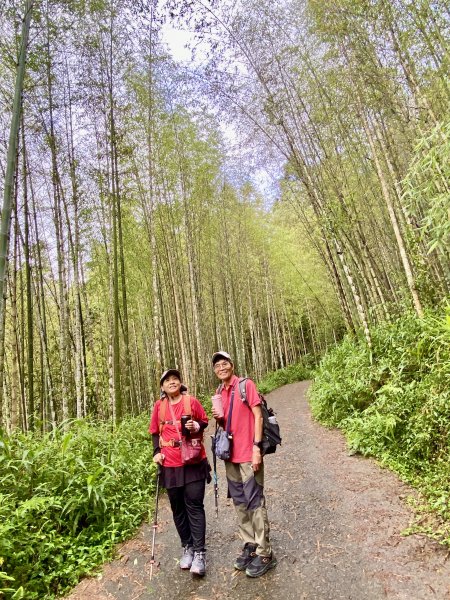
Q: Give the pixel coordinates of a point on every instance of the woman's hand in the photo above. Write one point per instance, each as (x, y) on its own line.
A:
(159, 458)
(193, 426)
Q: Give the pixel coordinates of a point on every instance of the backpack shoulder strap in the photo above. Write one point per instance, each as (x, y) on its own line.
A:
(243, 392)
(187, 404)
(163, 409)
(219, 389)
(242, 388)
(162, 413)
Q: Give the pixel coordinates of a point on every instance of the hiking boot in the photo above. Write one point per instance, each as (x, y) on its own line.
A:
(245, 557)
(260, 565)
(187, 558)
(199, 564)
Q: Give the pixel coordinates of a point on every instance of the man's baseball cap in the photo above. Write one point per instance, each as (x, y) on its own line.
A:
(175, 372)
(221, 354)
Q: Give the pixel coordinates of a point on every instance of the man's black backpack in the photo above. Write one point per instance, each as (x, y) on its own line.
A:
(271, 429)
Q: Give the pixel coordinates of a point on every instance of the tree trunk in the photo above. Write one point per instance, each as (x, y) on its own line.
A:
(29, 291)
(395, 225)
(8, 192)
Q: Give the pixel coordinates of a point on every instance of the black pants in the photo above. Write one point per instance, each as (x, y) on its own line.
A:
(189, 513)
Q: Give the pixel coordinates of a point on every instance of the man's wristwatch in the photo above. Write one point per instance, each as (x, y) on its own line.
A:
(258, 444)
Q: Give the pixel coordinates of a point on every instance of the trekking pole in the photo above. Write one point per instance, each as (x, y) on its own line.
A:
(216, 486)
(155, 520)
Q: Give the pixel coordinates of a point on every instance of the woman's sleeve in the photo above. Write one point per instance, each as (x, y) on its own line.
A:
(155, 440)
(153, 428)
(154, 421)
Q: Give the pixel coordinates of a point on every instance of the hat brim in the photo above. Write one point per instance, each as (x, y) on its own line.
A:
(217, 355)
(169, 372)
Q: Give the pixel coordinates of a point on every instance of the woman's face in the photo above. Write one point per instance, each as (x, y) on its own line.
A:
(171, 385)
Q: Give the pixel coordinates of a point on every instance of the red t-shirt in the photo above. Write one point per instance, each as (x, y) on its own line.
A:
(172, 453)
(242, 420)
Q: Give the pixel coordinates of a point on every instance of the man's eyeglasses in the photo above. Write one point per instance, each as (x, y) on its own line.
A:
(219, 365)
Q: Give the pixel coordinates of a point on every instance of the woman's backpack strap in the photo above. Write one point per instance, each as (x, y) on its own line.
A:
(187, 405)
(162, 413)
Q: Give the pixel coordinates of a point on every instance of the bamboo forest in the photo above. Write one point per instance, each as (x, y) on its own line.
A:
(270, 178)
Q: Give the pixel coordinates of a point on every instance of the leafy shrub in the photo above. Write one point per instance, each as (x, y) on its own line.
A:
(205, 399)
(423, 192)
(67, 498)
(394, 403)
(297, 372)
(342, 383)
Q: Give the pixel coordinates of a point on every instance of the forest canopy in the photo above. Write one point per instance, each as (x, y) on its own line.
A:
(134, 233)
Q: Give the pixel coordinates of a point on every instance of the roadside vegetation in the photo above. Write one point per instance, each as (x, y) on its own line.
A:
(135, 237)
(289, 374)
(393, 403)
(66, 499)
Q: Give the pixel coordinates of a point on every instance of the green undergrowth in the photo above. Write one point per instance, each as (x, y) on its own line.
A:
(66, 499)
(290, 374)
(206, 402)
(393, 403)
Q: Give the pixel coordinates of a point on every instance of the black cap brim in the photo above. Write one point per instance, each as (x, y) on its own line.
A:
(166, 374)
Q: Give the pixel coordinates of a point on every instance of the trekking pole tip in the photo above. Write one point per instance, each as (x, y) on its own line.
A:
(153, 563)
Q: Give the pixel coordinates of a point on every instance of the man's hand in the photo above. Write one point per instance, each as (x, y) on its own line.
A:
(256, 459)
(216, 414)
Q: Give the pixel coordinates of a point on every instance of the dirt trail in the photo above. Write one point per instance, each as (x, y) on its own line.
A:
(335, 525)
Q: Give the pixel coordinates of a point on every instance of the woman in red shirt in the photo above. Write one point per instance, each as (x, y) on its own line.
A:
(185, 483)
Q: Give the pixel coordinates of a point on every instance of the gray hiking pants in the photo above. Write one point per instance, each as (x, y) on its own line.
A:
(246, 489)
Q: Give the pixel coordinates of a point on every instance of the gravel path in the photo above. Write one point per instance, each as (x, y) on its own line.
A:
(336, 525)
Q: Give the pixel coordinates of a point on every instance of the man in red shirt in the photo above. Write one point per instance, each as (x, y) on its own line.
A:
(245, 469)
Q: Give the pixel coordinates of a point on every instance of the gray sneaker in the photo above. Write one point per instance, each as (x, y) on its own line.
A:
(187, 558)
(199, 564)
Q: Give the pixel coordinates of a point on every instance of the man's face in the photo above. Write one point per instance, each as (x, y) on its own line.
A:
(223, 369)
